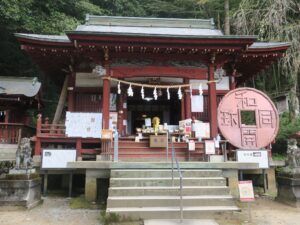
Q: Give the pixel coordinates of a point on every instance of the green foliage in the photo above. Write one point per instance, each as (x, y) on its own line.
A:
(278, 157)
(109, 218)
(82, 203)
(286, 129)
(115, 219)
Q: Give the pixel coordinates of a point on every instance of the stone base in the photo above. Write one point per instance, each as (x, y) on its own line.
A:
(20, 192)
(289, 191)
(37, 161)
(104, 158)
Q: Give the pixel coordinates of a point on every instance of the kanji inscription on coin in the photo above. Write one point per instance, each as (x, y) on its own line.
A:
(247, 118)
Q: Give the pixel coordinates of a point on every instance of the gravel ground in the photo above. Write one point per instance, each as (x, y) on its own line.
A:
(264, 211)
(56, 211)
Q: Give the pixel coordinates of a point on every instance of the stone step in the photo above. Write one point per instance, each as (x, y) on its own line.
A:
(161, 158)
(192, 212)
(167, 181)
(8, 146)
(133, 173)
(137, 147)
(146, 144)
(166, 190)
(158, 150)
(152, 201)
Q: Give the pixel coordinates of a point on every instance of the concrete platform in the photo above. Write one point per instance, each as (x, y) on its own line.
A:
(177, 222)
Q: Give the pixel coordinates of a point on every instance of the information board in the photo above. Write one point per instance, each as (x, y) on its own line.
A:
(210, 147)
(57, 158)
(83, 125)
(202, 130)
(246, 191)
(258, 156)
(197, 103)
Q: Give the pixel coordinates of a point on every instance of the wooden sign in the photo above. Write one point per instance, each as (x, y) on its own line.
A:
(210, 147)
(246, 191)
(106, 134)
(192, 145)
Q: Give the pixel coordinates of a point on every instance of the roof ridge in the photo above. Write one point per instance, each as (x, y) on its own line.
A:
(150, 22)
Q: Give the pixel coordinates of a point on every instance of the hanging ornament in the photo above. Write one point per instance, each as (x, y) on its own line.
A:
(179, 92)
(155, 94)
(191, 91)
(142, 92)
(168, 93)
(200, 89)
(130, 91)
(119, 88)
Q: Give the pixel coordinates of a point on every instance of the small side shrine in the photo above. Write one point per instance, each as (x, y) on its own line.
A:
(18, 95)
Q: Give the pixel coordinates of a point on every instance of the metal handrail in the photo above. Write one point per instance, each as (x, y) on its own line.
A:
(180, 178)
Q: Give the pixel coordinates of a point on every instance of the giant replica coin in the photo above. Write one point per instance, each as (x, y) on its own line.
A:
(247, 118)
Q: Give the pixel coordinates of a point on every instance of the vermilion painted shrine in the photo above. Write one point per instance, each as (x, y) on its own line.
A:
(147, 76)
(149, 51)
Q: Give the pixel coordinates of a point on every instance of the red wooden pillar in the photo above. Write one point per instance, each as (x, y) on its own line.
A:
(106, 92)
(37, 147)
(105, 103)
(71, 94)
(212, 101)
(187, 101)
(78, 148)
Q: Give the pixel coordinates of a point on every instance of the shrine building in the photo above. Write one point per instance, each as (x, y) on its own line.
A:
(129, 70)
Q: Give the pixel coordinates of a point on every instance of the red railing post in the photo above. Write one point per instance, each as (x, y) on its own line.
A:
(78, 148)
(5, 134)
(37, 149)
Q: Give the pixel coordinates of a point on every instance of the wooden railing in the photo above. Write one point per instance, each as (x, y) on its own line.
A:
(49, 130)
(9, 132)
(46, 132)
(52, 130)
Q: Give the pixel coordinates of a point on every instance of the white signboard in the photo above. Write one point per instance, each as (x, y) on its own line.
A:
(246, 191)
(148, 122)
(197, 103)
(192, 145)
(210, 147)
(57, 158)
(83, 125)
(257, 156)
(223, 84)
(202, 130)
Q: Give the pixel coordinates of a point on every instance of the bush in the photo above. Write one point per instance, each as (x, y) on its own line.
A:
(286, 129)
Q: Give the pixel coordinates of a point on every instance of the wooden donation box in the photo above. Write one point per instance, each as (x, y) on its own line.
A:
(158, 141)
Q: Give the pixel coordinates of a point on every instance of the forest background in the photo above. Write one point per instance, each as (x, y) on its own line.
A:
(270, 20)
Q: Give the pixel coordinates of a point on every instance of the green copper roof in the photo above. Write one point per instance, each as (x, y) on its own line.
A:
(28, 86)
(149, 22)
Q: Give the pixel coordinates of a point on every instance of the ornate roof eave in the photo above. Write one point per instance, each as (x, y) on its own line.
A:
(163, 38)
(46, 40)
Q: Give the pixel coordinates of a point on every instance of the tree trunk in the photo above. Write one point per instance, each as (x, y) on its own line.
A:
(293, 99)
(61, 101)
(226, 19)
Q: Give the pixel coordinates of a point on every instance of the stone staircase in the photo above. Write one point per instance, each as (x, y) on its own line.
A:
(130, 150)
(149, 194)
